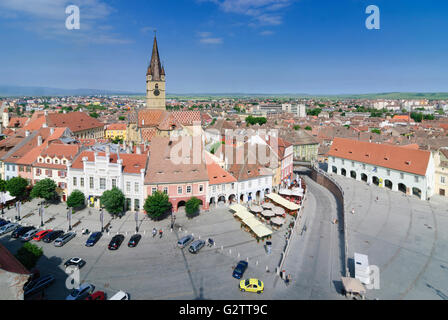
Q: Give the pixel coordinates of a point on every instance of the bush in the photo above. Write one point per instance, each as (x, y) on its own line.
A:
(29, 254)
(76, 199)
(157, 205)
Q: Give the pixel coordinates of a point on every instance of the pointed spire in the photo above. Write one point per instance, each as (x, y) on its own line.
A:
(155, 67)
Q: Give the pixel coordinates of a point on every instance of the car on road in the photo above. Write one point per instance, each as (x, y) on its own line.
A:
(239, 269)
(98, 295)
(196, 246)
(120, 295)
(3, 223)
(8, 228)
(39, 235)
(135, 239)
(77, 262)
(29, 235)
(252, 285)
(82, 292)
(185, 241)
(94, 237)
(50, 237)
(38, 285)
(21, 231)
(116, 242)
(59, 242)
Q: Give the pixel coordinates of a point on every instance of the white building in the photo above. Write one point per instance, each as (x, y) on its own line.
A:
(404, 169)
(95, 172)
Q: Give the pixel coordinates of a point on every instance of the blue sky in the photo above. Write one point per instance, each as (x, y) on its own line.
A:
(228, 46)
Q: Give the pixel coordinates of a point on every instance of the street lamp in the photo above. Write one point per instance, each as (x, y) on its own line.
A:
(41, 214)
(3, 203)
(101, 219)
(18, 204)
(69, 218)
(136, 221)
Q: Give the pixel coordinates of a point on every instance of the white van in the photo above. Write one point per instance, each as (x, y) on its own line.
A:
(362, 269)
(120, 295)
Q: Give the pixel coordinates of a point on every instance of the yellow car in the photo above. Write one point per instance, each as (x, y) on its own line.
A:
(252, 285)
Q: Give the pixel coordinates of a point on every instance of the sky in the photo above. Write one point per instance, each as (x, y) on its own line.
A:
(228, 46)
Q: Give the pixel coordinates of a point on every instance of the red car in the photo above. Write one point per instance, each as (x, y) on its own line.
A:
(41, 234)
(99, 295)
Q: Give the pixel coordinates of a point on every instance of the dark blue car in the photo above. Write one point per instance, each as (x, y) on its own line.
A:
(239, 269)
(94, 237)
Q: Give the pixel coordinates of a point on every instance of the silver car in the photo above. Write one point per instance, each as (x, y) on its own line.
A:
(185, 241)
(29, 235)
(59, 242)
(8, 228)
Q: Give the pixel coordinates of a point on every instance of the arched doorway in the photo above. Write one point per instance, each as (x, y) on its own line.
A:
(232, 198)
(266, 191)
(181, 205)
(353, 174)
(364, 177)
(249, 196)
(257, 195)
(402, 187)
(221, 200)
(375, 180)
(388, 184)
(343, 172)
(242, 198)
(417, 192)
(334, 169)
(212, 200)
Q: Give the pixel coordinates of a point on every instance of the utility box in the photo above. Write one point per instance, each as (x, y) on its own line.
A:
(362, 269)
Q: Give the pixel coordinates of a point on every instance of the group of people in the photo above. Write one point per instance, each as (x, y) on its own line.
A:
(154, 232)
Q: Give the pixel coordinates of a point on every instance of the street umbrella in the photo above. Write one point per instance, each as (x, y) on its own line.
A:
(278, 221)
(267, 205)
(256, 209)
(297, 192)
(285, 192)
(268, 213)
(278, 211)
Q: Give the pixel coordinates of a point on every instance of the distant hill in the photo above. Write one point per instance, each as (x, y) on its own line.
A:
(16, 91)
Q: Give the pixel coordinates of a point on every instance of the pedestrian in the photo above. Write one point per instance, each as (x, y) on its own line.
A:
(172, 225)
(353, 211)
(160, 233)
(376, 198)
(154, 232)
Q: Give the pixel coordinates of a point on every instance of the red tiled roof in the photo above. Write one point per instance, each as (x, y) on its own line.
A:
(117, 126)
(76, 121)
(17, 122)
(216, 174)
(387, 156)
(187, 118)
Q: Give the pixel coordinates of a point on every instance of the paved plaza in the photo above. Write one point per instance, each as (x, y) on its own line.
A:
(402, 235)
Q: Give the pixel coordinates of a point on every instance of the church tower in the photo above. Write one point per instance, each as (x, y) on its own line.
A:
(155, 82)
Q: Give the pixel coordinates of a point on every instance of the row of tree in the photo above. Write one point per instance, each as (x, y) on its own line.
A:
(156, 205)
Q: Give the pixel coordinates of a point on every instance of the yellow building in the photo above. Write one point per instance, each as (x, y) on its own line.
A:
(116, 130)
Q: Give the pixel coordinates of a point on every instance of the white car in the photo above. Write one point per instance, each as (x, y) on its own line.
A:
(120, 295)
(8, 228)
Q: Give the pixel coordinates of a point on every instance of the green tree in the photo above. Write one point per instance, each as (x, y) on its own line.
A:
(94, 115)
(375, 130)
(121, 118)
(296, 127)
(417, 116)
(2, 185)
(192, 206)
(113, 201)
(17, 187)
(29, 254)
(44, 189)
(76, 199)
(157, 205)
(308, 128)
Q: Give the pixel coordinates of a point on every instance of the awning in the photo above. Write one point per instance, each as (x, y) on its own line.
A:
(353, 285)
(5, 197)
(286, 192)
(282, 201)
(249, 220)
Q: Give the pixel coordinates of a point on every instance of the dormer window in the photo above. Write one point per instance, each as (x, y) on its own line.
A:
(408, 162)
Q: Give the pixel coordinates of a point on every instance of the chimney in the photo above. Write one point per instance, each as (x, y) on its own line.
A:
(51, 130)
(46, 112)
(44, 125)
(39, 140)
(138, 150)
(143, 122)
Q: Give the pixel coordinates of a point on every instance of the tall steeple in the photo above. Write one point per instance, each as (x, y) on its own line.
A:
(155, 81)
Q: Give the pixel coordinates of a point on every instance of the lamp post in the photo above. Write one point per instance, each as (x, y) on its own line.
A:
(69, 218)
(18, 204)
(136, 221)
(101, 219)
(41, 209)
(3, 203)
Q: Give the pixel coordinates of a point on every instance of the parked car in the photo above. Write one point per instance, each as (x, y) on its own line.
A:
(116, 241)
(135, 239)
(94, 237)
(8, 228)
(239, 269)
(59, 242)
(3, 223)
(252, 285)
(77, 262)
(196, 246)
(82, 292)
(120, 295)
(98, 295)
(21, 231)
(52, 236)
(39, 235)
(185, 241)
(29, 235)
(38, 285)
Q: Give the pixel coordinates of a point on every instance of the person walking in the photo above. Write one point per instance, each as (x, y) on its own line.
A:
(154, 232)
(160, 233)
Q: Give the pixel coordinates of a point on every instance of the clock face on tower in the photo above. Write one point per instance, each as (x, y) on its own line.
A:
(156, 92)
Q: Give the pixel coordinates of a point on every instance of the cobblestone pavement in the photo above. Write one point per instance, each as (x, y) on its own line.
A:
(405, 237)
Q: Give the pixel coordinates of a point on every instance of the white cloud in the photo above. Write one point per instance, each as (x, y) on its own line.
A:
(266, 33)
(207, 38)
(47, 18)
(263, 12)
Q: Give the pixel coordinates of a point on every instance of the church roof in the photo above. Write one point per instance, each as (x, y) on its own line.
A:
(155, 68)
